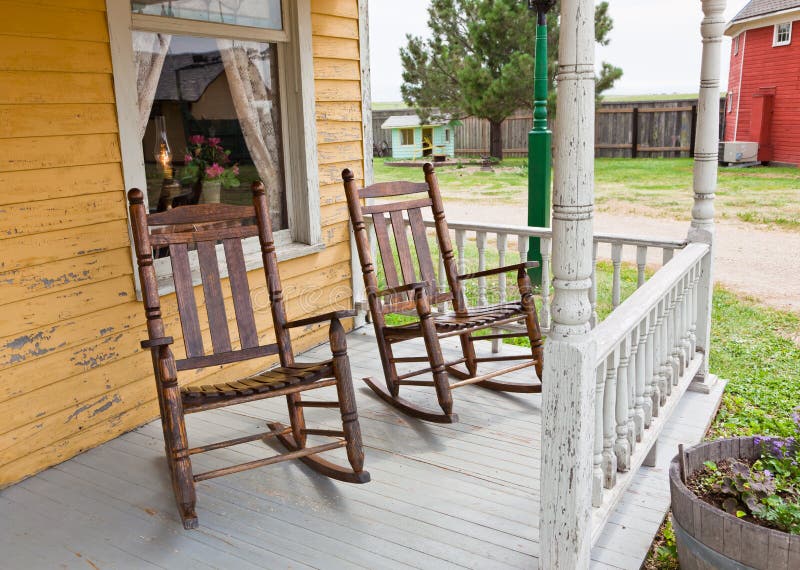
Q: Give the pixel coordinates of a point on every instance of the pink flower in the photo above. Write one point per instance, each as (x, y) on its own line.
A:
(214, 171)
(187, 159)
(236, 169)
(197, 139)
(214, 141)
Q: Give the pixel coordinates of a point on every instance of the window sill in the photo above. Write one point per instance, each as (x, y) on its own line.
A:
(252, 261)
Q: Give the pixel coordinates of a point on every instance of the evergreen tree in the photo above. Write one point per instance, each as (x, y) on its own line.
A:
(479, 61)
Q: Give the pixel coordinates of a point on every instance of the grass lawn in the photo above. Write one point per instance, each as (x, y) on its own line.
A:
(656, 187)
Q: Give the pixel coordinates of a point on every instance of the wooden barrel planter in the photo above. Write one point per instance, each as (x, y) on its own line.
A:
(708, 537)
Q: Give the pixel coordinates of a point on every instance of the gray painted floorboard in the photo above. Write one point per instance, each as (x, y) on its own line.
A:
(442, 496)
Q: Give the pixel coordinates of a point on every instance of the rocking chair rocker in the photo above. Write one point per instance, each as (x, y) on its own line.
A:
(420, 295)
(202, 227)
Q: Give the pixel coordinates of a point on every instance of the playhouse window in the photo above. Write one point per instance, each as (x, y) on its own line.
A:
(736, 45)
(407, 136)
(447, 135)
(730, 102)
(783, 34)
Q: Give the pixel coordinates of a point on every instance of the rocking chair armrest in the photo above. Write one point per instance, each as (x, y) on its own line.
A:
(154, 342)
(402, 289)
(499, 270)
(333, 315)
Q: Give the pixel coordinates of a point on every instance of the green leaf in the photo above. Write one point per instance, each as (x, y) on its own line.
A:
(741, 514)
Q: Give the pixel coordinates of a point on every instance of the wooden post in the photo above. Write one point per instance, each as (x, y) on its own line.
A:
(705, 175)
(570, 361)
(635, 133)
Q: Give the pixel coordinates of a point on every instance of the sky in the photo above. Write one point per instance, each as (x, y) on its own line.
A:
(655, 42)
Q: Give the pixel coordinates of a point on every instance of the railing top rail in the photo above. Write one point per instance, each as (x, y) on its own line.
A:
(630, 313)
(530, 231)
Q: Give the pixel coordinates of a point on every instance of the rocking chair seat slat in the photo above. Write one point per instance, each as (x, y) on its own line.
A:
(259, 384)
(477, 317)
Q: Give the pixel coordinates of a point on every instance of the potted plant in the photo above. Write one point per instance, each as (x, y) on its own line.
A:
(207, 168)
(736, 503)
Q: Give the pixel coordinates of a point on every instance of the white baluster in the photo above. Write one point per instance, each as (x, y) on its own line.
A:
(686, 345)
(616, 285)
(667, 255)
(665, 377)
(597, 473)
(593, 289)
(651, 397)
(622, 448)
(461, 246)
(609, 421)
(546, 244)
(641, 264)
(674, 361)
(642, 411)
(481, 242)
(634, 340)
(502, 240)
(695, 307)
(522, 246)
(656, 371)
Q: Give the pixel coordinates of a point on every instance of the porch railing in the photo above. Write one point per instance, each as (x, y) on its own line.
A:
(646, 358)
(510, 243)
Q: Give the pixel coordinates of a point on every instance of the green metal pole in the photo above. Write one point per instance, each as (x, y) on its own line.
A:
(539, 144)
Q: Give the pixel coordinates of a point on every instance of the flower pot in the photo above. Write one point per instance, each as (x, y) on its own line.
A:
(211, 192)
(708, 537)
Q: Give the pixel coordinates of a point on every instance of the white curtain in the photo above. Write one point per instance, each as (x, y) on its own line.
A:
(251, 70)
(149, 52)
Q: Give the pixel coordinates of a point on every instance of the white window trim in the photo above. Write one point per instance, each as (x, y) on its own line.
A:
(730, 102)
(298, 114)
(736, 45)
(775, 42)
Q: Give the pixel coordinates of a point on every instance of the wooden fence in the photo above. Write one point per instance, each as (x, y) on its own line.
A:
(622, 129)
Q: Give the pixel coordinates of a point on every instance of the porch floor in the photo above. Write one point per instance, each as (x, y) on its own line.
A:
(441, 496)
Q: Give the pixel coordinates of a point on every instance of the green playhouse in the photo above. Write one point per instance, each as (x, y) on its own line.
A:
(412, 140)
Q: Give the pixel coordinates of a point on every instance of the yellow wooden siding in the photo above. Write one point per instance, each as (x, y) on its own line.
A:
(72, 374)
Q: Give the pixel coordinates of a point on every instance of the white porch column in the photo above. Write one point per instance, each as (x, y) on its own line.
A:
(705, 173)
(570, 351)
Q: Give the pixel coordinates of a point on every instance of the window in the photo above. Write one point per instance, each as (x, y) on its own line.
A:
(736, 45)
(212, 95)
(783, 34)
(407, 137)
(447, 135)
(730, 102)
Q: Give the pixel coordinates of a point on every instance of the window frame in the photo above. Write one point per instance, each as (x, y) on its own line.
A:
(776, 34)
(403, 132)
(729, 102)
(736, 44)
(298, 118)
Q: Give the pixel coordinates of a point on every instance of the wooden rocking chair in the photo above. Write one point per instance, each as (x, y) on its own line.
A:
(420, 294)
(202, 227)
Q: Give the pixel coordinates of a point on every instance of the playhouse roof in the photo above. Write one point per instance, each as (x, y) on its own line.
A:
(410, 121)
(758, 8)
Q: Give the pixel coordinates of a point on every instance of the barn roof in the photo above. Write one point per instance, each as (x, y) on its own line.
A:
(409, 121)
(758, 8)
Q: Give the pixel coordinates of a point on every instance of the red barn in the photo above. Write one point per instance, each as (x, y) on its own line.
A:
(763, 102)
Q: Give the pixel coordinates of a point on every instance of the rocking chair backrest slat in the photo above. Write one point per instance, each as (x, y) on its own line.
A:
(403, 251)
(201, 213)
(388, 189)
(187, 308)
(385, 248)
(215, 302)
(396, 206)
(423, 249)
(242, 305)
